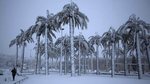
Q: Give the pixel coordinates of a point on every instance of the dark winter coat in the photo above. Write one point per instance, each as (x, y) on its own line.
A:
(14, 71)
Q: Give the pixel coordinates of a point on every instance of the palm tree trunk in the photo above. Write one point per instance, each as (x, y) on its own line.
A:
(88, 63)
(16, 55)
(107, 60)
(139, 57)
(49, 64)
(46, 53)
(52, 66)
(67, 62)
(97, 60)
(112, 60)
(61, 55)
(92, 63)
(84, 64)
(61, 61)
(39, 63)
(38, 58)
(37, 54)
(79, 71)
(148, 55)
(65, 71)
(109, 51)
(23, 50)
(117, 56)
(72, 47)
(125, 59)
(56, 67)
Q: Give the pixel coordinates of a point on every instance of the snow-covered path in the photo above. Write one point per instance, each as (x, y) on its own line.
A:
(6, 78)
(84, 79)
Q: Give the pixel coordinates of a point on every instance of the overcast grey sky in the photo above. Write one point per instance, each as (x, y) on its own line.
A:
(20, 14)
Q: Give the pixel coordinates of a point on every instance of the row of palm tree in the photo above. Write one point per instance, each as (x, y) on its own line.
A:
(132, 38)
(47, 25)
(21, 40)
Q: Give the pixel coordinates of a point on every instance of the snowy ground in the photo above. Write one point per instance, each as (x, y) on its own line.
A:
(6, 78)
(84, 79)
(55, 78)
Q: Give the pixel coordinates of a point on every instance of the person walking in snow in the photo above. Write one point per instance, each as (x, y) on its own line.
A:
(14, 72)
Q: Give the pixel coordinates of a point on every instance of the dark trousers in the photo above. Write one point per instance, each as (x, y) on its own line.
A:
(13, 75)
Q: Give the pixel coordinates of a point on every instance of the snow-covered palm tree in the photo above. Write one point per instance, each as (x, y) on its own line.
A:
(72, 16)
(132, 32)
(15, 42)
(126, 40)
(45, 26)
(20, 41)
(25, 37)
(97, 41)
(145, 43)
(113, 34)
(83, 48)
(64, 43)
(23, 43)
(109, 39)
(40, 54)
(53, 51)
(106, 44)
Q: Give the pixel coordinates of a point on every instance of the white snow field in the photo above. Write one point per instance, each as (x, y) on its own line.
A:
(6, 78)
(56, 78)
(84, 79)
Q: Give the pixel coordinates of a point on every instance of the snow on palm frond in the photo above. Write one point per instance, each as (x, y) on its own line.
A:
(84, 46)
(12, 42)
(16, 41)
(71, 12)
(52, 25)
(95, 40)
